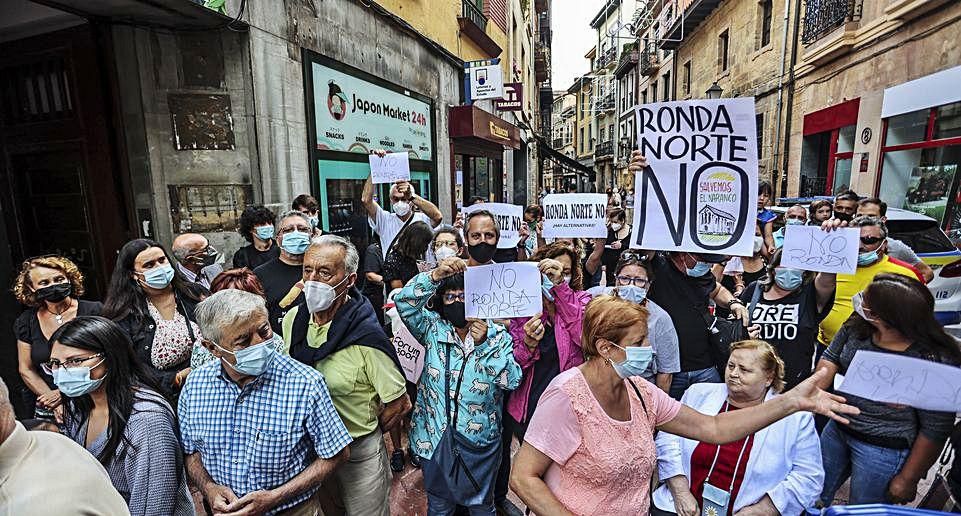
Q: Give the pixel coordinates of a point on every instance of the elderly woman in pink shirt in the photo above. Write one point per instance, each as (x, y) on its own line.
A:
(589, 448)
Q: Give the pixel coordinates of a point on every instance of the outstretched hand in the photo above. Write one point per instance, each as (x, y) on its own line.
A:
(811, 398)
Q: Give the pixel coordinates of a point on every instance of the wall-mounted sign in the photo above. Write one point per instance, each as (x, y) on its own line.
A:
(486, 82)
(354, 115)
(513, 97)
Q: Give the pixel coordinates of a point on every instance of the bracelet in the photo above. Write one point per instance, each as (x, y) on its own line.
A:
(733, 301)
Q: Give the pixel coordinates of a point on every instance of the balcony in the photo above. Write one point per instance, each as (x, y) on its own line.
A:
(473, 23)
(684, 20)
(604, 149)
(628, 60)
(823, 16)
(648, 63)
(558, 143)
(607, 58)
(542, 62)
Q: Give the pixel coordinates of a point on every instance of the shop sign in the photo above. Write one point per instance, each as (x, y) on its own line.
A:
(513, 97)
(486, 82)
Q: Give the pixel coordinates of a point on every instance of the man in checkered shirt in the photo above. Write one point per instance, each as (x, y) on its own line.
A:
(258, 428)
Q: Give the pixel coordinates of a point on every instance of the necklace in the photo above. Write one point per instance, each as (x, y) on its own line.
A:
(59, 316)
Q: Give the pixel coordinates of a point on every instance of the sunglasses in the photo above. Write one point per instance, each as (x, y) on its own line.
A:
(871, 240)
(450, 298)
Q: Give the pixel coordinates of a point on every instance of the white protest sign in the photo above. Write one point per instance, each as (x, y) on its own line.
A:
(811, 249)
(891, 378)
(394, 166)
(502, 290)
(409, 351)
(509, 219)
(575, 215)
(700, 192)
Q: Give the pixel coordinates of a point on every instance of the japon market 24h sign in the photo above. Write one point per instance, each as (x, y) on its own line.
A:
(354, 115)
(699, 193)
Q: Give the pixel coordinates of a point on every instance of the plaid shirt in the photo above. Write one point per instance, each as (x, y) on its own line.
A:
(264, 434)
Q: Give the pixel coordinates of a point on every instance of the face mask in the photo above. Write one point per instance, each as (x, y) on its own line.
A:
(252, 361)
(788, 279)
(454, 313)
(207, 258)
(76, 382)
(314, 220)
(401, 208)
(857, 301)
(54, 293)
(264, 232)
(843, 216)
(616, 226)
(320, 295)
(636, 362)
(793, 222)
(758, 244)
(295, 242)
(444, 253)
(546, 286)
(700, 269)
(868, 258)
(632, 293)
(159, 277)
(567, 279)
(482, 252)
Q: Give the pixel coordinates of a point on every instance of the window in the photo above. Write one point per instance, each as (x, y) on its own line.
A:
(654, 91)
(759, 122)
(948, 121)
(667, 86)
(722, 48)
(644, 97)
(580, 143)
(590, 137)
(601, 133)
(687, 78)
(907, 128)
(767, 12)
(610, 132)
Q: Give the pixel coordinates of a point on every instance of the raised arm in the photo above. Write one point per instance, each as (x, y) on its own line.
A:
(411, 301)
(428, 208)
(367, 198)
(594, 260)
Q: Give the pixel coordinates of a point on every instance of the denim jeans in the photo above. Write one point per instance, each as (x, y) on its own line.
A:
(681, 381)
(440, 501)
(870, 467)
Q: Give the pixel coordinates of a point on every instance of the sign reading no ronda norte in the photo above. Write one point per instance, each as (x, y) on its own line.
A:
(699, 192)
(354, 115)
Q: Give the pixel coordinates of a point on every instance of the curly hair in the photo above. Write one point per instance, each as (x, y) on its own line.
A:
(22, 285)
(252, 216)
(555, 249)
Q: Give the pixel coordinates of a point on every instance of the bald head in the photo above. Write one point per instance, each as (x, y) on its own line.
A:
(187, 245)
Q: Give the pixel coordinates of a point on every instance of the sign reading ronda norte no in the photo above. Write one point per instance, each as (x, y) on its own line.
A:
(699, 193)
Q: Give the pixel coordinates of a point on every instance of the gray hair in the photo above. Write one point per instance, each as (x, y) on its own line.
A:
(224, 309)
(351, 258)
(180, 253)
(292, 213)
(805, 210)
(865, 221)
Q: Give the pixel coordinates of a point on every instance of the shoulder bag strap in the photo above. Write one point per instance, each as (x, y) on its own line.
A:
(754, 299)
(643, 405)
(401, 230)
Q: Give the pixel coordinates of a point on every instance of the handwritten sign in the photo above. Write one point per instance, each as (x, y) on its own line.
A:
(409, 351)
(902, 380)
(390, 168)
(811, 249)
(577, 215)
(509, 219)
(502, 290)
(699, 193)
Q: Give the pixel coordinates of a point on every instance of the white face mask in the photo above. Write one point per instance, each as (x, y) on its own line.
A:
(320, 295)
(617, 226)
(444, 252)
(401, 208)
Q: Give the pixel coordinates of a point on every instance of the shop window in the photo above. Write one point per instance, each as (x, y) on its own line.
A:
(948, 121)
(846, 139)
(922, 180)
(826, 161)
(907, 128)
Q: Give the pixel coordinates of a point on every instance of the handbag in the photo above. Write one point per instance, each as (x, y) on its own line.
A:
(469, 468)
(724, 332)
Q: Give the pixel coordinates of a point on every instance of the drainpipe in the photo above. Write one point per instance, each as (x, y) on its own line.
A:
(790, 94)
(780, 86)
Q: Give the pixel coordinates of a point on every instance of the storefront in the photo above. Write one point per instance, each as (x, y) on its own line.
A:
(478, 140)
(827, 150)
(350, 113)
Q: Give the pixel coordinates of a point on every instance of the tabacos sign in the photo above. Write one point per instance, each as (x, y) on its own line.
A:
(513, 97)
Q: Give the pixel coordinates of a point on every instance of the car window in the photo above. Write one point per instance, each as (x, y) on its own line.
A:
(922, 236)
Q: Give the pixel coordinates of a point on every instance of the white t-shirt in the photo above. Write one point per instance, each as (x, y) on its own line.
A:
(387, 225)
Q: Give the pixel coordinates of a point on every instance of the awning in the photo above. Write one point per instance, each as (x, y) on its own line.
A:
(170, 14)
(474, 131)
(569, 163)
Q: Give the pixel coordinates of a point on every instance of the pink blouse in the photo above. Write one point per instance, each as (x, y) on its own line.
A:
(601, 465)
(171, 342)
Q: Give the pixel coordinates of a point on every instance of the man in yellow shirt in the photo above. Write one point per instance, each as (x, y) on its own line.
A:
(872, 260)
(337, 332)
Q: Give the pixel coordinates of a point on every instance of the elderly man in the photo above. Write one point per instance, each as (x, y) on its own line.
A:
(402, 201)
(47, 473)
(281, 276)
(795, 215)
(258, 428)
(337, 331)
(195, 259)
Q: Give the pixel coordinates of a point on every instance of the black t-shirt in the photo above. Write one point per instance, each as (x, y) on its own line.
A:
(278, 278)
(611, 256)
(398, 267)
(373, 262)
(685, 299)
(248, 256)
(505, 255)
(547, 367)
(790, 324)
(27, 329)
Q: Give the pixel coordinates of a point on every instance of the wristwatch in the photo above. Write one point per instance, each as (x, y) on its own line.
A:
(734, 301)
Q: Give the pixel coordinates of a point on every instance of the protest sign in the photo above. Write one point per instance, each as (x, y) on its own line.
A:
(409, 351)
(903, 380)
(575, 215)
(502, 290)
(811, 249)
(699, 192)
(509, 219)
(390, 168)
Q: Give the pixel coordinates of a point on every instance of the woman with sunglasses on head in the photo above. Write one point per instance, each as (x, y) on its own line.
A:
(887, 448)
(51, 287)
(154, 305)
(115, 411)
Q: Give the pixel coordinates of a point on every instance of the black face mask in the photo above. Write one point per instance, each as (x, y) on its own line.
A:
(482, 252)
(454, 313)
(54, 293)
(846, 217)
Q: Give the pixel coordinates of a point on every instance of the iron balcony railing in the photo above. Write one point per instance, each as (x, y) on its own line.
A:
(605, 148)
(647, 63)
(474, 14)
(823, 16)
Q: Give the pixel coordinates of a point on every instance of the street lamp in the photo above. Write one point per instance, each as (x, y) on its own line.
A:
(714, 92)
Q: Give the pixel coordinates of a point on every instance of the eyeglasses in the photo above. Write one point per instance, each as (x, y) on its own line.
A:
(637, 282)
(53, 364)
(871, 240)
(450, 298)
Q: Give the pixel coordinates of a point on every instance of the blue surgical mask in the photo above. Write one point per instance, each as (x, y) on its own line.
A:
(868, 258)
(793, 222)
(265, 232)
(314, 220)
(700, 269)
(632, 293)
(159, 277)
(76, 382)
(636, 362)
(546, 286)
(253, 361)
(788, 279)
(295, 242)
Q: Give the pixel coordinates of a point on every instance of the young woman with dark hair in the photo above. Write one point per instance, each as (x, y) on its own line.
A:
(114, 409)
(257, 227)
(401, 263)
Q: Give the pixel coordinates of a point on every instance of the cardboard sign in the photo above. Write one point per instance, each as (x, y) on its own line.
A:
(410, 352)
(509, 217)
(389, 169)
(575, 215)
(891, 378)
(502, 290)
(699, 193)
(811, 249)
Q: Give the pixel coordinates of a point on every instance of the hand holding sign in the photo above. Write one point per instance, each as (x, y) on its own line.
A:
(502, 290)
(390, 167)
(812, 249)
(577, 215)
